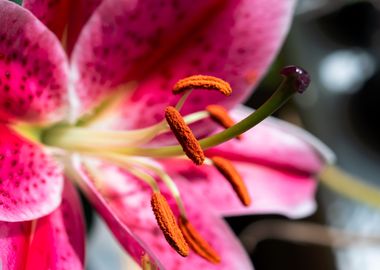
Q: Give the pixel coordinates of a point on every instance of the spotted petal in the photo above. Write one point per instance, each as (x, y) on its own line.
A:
(129, 201)
(54, 14)
(127, 238)
(30, 181)
(59, 15)
(53, 242)
(14, 239)
(159, 42)
(59, 238)
(80, 12)
(33, 77)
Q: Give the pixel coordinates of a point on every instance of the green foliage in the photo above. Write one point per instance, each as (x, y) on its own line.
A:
(17, 1)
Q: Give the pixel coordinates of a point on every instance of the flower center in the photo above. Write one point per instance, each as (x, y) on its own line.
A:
(127, 149)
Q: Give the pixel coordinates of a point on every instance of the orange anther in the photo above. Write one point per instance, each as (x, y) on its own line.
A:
(197, 243)
(184, 135)
(202, 82)
(168, 225)
(226, 168)
(220, 115)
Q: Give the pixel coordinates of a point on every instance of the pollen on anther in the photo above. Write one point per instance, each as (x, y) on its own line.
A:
(168, 224)
(197, 243)
(226, 168)
(202, 82)
(184, 135)
(220, 115)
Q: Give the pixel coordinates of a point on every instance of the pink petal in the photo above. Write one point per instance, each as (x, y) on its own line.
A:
(54, 14)
(272, 143)
(129, 201)
(30, 181)
(80, 12)
(272, 191)
(61, 14)
(53, 242)
(59, 238)
(127, 238)
(14, 243)
(33, 77)
(159, 42)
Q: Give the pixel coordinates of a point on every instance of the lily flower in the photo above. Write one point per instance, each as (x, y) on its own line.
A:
(100, 111)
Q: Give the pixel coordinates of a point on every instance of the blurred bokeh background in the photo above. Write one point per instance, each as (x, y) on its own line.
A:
(338, 42)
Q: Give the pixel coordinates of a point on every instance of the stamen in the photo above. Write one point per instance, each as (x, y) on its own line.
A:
(82, 138)
(226, 168)
(168, 182)
(197, 243)
(140, 169)
(184, 135)
(168, 225)
(96, 175)
(220, 115)
(202, 82)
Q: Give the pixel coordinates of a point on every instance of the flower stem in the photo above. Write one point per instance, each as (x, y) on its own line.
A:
(350, 187)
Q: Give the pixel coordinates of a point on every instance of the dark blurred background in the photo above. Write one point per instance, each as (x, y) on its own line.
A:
(338, 42)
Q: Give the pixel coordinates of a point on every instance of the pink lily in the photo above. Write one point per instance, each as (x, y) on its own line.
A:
(154, 44)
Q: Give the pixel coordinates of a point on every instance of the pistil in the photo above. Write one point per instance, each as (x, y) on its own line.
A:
(295, 80)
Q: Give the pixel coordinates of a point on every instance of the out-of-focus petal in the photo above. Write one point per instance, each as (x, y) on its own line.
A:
(54, 242)
(33, 77)
(159, 42)
(127, 238)
(14, 243)
(80, 12)
(129, 201)
(54, 14)
(30, 181)
(59, 238)
(271, 190)
(63, 15)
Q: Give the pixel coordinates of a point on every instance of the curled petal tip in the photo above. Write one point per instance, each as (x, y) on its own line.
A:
(301, 77)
